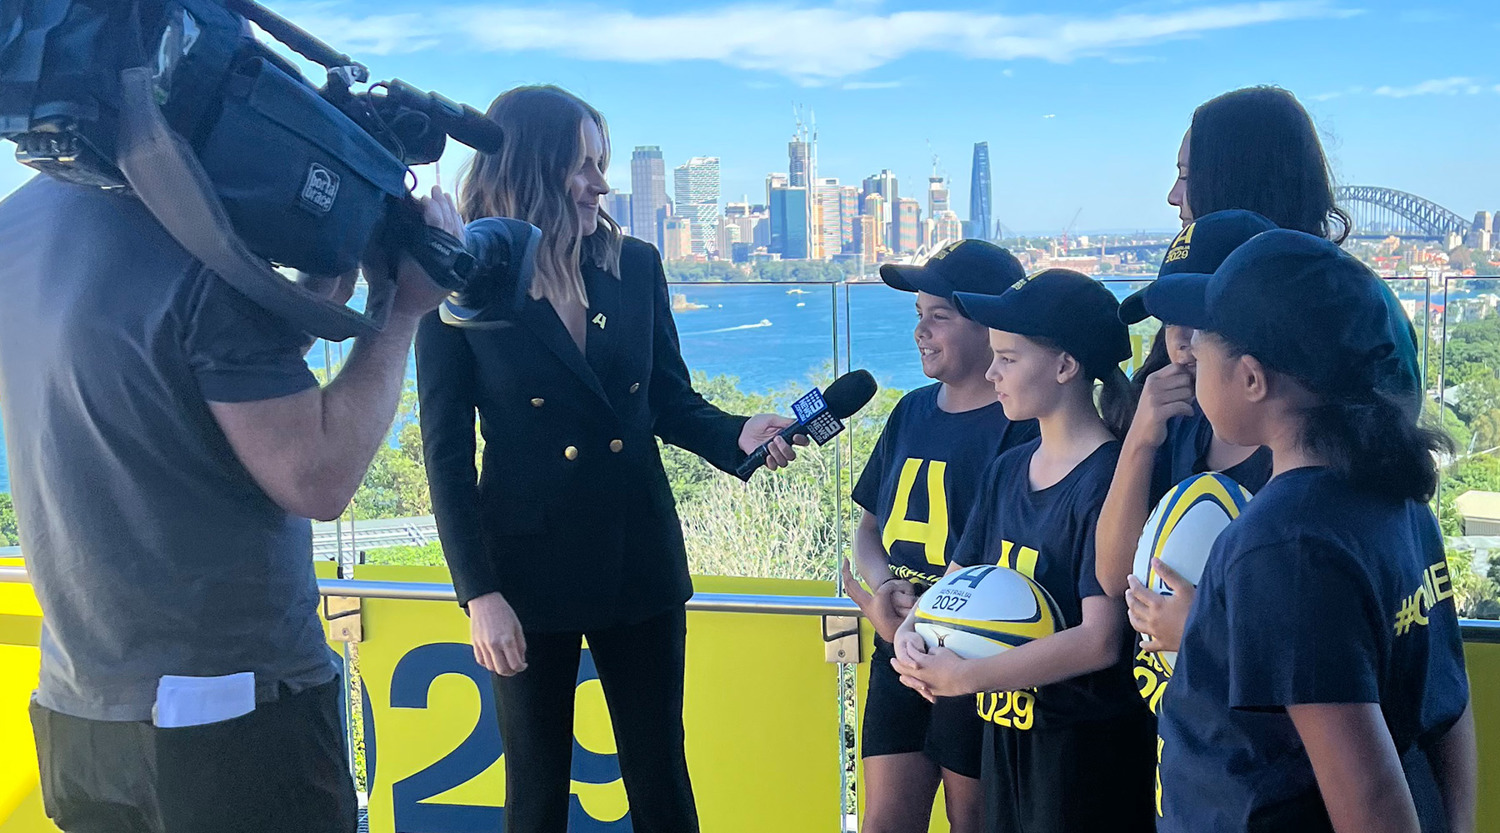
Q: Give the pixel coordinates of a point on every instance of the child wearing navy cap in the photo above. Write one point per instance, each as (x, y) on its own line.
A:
(917, 491)
(1323, 643)
(1067, 742)
(1170, 440)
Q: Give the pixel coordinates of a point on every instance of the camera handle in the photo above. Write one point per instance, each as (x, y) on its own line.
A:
(299, 40)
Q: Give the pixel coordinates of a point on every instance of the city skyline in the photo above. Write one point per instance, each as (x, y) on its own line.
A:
(1084, 103)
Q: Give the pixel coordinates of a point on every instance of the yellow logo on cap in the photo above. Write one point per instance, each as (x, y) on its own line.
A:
(943, 252)
(1022, 282)
(1182, 244)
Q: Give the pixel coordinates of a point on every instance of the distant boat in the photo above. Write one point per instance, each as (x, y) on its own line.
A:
(801, 303)
(764, 322)
(795, 291)
(680, 303)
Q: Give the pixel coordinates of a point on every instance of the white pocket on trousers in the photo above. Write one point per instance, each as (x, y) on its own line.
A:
(198, 701)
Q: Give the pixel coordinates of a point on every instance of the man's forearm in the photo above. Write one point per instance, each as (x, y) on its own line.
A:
(358, 407)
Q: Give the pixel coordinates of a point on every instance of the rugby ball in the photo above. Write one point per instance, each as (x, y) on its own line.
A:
(982, 610)
(1182, 530)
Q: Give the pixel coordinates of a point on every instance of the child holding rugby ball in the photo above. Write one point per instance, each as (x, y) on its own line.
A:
(1068, 745)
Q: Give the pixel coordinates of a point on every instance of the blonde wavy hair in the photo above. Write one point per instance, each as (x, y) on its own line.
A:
(527, 179)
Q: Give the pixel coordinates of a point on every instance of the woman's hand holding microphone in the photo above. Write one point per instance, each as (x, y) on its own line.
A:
(763, 428)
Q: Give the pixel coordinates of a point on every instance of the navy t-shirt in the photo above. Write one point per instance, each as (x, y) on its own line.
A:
(1048, 535)
(1317, 593)
(922, 478)
(1185, 453)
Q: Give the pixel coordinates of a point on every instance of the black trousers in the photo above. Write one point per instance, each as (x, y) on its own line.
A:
(640, 667)
(282, 768)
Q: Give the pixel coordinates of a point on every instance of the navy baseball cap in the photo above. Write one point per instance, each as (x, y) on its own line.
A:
(963, 266)
(1070, 309)
(1197, 250)
(1301, 305)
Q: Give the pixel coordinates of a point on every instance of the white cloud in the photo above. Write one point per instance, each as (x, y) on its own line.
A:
(1008, 73)
(1436, 86)
(1050, 116)
(1338, 94)
(802, 42)
(871, 85)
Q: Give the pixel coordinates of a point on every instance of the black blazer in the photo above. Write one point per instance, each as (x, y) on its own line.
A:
(572, 519)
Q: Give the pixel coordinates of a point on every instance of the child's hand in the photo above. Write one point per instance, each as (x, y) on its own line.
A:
(904, 598)
(909, 645)
(937, 673)
(1167, 393)
(1160, 618)
(885, 608)
(893, 601)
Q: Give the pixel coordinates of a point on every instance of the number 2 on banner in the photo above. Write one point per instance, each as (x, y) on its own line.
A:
(413, 811)
(410, 682)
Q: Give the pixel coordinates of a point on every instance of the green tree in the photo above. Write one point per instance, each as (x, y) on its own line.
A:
(697, 272)
(1476, 595)
(1479, 472)
(10, 533)
(1472, 350)
(396, 484)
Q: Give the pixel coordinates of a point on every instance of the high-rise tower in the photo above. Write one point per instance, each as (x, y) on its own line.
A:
(981, 220)
(697, 190)
(648, 192)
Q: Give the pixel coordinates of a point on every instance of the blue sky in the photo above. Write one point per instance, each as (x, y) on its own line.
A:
(1083, 103)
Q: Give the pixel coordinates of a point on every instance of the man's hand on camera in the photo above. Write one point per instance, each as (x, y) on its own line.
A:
(416, 293)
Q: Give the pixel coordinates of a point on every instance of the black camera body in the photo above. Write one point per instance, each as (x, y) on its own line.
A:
(308, 178)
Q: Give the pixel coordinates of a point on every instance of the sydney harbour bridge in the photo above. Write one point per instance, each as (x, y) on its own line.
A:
(1386, 212)
(1375, 214)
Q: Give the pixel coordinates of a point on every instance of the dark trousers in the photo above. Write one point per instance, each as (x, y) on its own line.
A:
(282, 768)
(640, 667)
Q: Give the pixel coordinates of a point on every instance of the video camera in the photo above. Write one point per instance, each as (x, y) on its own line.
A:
(241, 159)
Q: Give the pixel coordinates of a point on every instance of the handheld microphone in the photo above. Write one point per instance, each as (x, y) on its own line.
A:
(820, 416)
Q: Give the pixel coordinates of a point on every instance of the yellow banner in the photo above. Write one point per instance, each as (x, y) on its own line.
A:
(761, 716)
(761, 713)
(20, 662)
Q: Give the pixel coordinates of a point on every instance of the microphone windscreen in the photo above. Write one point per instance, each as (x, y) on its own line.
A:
(849, 393)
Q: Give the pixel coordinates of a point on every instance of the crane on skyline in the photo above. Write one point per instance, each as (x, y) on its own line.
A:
(1069, 230)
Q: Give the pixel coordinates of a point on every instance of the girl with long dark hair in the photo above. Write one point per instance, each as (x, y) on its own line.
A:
(1254, 149)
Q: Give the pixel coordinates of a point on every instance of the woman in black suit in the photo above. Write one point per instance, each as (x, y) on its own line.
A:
(571, 529)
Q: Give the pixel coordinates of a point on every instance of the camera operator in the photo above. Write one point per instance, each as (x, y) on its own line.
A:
(168, 443)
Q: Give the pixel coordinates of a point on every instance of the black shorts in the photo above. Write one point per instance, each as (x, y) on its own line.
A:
(282, 767)
(898, 720)
(1083, 778)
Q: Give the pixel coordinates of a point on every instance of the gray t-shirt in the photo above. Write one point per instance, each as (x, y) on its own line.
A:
(151, 548)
